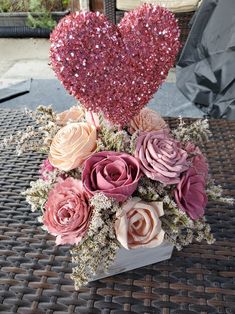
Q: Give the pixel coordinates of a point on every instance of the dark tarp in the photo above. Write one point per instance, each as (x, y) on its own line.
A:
(206, 69)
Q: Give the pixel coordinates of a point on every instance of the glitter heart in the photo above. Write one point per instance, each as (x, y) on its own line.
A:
(115, 69)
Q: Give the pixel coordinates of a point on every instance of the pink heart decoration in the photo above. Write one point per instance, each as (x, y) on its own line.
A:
(115, 69)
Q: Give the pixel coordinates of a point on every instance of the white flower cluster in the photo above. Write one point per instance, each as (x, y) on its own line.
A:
(196, 132)
(98, 250)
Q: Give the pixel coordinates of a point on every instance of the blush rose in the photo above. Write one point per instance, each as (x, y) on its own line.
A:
(67, 212)
(138, 224)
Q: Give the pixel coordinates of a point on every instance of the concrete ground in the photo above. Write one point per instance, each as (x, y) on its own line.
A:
(24, 58)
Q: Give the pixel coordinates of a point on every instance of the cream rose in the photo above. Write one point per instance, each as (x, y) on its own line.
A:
(138, 224)
(74, 114)
(72, 145)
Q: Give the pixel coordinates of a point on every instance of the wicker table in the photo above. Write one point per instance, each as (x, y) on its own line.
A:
(35, 275)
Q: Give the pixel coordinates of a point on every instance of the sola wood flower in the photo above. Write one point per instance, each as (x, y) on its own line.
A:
(190, 194)
(138, 224)
(72, 145)
(67, 212)
(147, 120)
(162, 158)
(74, 114)
(114, 174)
(115, 69)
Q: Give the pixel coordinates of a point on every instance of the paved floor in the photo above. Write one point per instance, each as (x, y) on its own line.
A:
(22, 59)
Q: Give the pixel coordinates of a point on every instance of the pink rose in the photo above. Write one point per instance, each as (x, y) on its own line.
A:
(138, 224)
(146, 121)
(162, 158)
(45, 168)
(199, 162)
(67, 212)
(190, 194)
(114, 174)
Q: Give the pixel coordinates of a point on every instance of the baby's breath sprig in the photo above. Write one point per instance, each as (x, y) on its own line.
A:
(36, 137)
(215, 193)
(112, 139)
(180, 229)
(150, 190)
(98, 250)
(197, 132)
(37, 194)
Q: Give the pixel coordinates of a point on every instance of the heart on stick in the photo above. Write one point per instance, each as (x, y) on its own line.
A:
(115, 69)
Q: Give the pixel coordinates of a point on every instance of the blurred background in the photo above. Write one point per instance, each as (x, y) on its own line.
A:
(26, 79)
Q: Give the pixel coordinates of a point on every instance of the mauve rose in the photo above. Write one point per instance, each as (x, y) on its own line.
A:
(67, 212)
(138, 224)
(199, 162)
(162, 158)
(114, 174)
(190, 194)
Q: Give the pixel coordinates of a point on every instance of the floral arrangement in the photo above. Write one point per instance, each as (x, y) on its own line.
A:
(115, 175)
(102, 187)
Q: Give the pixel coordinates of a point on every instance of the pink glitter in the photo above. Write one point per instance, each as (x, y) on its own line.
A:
(115, 69)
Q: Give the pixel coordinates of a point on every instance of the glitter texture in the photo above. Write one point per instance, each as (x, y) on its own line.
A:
(115, 69)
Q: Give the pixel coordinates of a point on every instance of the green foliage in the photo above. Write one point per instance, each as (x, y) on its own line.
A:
(41, 8)
(65, 3)
(44, 20)
(10, 6)
(26, 5)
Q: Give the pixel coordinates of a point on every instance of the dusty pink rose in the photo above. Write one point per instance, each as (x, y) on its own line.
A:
(45, 168)
(190, 194)
(114, 174)
(74, 114)
(138, 224)
(199, 162)
(162, 158)
(146, 121)
(67, 212)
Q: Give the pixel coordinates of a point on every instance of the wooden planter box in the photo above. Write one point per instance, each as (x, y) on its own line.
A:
(131, 259)
(15, 25)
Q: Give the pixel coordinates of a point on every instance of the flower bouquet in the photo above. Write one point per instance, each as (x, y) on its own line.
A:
(117, 184)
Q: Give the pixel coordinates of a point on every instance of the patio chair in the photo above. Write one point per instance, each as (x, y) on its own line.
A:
(183, 9)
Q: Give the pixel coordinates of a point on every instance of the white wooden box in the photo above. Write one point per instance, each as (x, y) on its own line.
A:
(131, 259)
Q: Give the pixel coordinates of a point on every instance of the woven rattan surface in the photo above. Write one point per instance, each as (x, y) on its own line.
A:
(34, 275)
